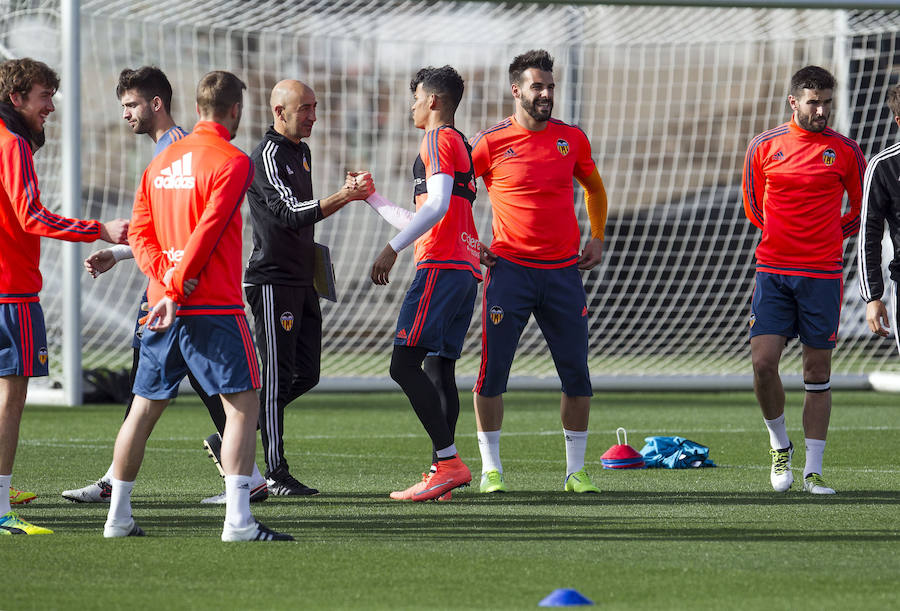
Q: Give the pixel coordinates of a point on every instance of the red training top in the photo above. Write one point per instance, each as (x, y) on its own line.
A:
(23, 219)
(187, 217)
(452, 243)
(794, 182)
(528, 176)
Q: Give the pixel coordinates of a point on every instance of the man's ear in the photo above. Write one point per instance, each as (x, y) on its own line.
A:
(17, 99)
(792, 101)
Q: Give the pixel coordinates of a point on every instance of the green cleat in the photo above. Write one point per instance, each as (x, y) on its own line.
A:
(492, 481)
(580, 481)
(12, 524)
(19, 497)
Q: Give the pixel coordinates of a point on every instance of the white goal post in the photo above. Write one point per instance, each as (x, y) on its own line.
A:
(668, 94)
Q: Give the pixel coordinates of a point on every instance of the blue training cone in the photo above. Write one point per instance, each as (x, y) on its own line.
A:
(565, 597)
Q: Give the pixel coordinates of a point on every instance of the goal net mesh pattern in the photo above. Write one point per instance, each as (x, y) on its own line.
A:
(669, 97)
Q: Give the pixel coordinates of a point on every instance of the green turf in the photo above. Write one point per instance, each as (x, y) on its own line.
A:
(655, 539)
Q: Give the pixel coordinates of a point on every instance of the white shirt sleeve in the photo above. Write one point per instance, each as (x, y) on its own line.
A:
(121, 251)
(440, 188)
(392, 213)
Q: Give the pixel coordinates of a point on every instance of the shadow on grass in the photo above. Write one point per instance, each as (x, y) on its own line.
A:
(642, 498)
(511, 517)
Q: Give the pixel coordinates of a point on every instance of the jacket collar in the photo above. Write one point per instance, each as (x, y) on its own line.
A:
(16, 124)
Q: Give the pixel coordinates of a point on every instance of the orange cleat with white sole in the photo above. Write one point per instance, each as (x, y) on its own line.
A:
(451, 473)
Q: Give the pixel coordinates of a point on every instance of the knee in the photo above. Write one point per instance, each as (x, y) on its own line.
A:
(765, 366)
(398, 370)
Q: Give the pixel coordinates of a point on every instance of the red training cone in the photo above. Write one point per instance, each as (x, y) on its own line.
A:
(622, 455)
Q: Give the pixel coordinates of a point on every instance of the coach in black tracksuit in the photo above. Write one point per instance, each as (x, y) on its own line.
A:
(881, 204)
(279, 277)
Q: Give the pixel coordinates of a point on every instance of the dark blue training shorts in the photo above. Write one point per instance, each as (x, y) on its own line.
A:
(792, 306)
(23, 340)
(556, 297)
(217, 349)
(437, 311)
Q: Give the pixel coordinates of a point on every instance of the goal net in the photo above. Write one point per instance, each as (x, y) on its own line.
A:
(669, 97)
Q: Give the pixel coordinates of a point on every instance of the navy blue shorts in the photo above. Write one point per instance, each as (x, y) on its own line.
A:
(23, 340)
(792, 306)
(217, 349)
(512, 293)
(437, 311)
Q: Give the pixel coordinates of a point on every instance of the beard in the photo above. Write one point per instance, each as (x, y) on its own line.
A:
(541, 113)
(808, 123)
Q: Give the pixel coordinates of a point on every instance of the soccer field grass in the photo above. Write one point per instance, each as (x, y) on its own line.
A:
(654, 539)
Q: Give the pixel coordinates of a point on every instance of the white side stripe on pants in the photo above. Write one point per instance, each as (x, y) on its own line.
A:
(271, 382)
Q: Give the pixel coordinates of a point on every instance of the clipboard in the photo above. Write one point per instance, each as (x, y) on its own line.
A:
(323, 278)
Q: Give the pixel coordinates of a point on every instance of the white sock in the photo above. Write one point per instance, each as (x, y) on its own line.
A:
(576, 445)
(448, 452)
(4, 494)
(120, 501)
(815, 451)
(237, 501)
(109, 474)
(778, 437)
(256, 478)
(489, 446)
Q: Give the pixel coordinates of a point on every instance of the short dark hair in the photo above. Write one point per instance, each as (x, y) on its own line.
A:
(811, 77)
(218, 91)
(444, 81)
(536, 58)
(20, 75)
(893, 100)
(149, 81)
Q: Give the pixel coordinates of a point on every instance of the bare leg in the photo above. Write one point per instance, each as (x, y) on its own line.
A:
(766, 352)
(488, 412)
(239, 440)
(816, 405)
(574, 412)
(13, 390)
(131, 442)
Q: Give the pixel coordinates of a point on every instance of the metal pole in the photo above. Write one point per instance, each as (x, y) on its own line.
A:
(71, 198)
(842, 74)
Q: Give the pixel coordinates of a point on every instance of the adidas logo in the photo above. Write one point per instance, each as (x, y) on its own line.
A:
(177, 175)
(289, 170)
(509, 153)
(401, 334)
(778, 156)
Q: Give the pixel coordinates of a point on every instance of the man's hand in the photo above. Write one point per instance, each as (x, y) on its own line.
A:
(383, 264)
(115, 232)
(487, 258)
(591, 255)
(162, 315)
(187, 288)
(877, 317)
(99, 262)
(359, 184)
